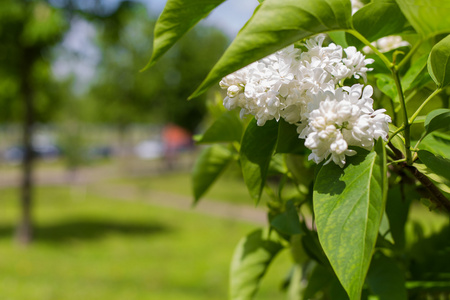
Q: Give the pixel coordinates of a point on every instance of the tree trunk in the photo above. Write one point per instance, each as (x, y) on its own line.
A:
(24, 233)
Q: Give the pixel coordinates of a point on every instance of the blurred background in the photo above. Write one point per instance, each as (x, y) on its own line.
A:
(95, 156)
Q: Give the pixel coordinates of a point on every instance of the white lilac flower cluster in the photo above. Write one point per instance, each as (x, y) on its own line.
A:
(302, 88)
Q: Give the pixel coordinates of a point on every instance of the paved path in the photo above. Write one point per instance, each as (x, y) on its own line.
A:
(95, 179)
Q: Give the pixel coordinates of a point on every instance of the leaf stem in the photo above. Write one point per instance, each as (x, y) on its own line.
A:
(374, 49)
(396, 161)
(410, 54)
(414, 116)
(396, 132)
(406, 123)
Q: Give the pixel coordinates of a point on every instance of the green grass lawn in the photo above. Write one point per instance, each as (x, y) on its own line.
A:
(100, 248)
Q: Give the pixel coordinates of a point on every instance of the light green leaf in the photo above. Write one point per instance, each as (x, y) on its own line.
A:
(386, 279)
(386, 84)
(348, 205)
(439, 62)
(251, 259)
(377, 19)
(438, 119)
(437, 143)
(428, 17)
(439, 165)
(226, 128)
(398, 141)
(415, 74)
(288, 221)
(177, 18)
(275, 25)
(211, 162)
(429, 166)
(257, 147)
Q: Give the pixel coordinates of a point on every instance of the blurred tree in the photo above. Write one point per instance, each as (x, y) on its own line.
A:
(27, 30)
(124, 96)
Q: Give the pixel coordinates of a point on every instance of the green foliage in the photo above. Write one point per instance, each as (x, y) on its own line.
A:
(256, 157)
(209, 165)
(275, 25)
(439, 63)
(349, 229)
(177, 18)
(251, 258)
(356, 196)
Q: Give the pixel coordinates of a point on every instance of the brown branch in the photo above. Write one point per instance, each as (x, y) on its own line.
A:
(436, 196)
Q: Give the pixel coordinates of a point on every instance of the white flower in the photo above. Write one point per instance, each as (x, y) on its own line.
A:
(387, 43)
(341, 119)
(300, 87)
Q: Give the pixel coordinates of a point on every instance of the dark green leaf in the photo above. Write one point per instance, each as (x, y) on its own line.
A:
(386, 279)
(319, 280)
(288, 221)
(209, 165)
(397, 209)
(251, 259)
(439, 62)
(428, 17)
(377, 19)
(275, 25)
(288, 140)
(178, 17)
(438, 119)
(257, 147)
(226, 128)
(348, 205)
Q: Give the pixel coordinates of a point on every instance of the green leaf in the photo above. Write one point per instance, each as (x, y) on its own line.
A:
(436, 169)
(415, 74)
(437, 143)
(397, 209)
(287, 222)
(398, 141)
(226, 128)
(377, 19)
(275, 25)
(439, 62)
(348, 205)
(386, 279)
(386, 84)
(177, 18)
(288, 140)
(211, 162)
(439, 165)
(257, 147)
(428, 17)
(438, 119)
(251, 259)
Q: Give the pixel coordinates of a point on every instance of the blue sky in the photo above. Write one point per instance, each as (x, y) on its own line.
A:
(230, 16)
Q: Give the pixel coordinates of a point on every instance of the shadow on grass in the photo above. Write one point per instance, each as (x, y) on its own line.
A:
(88, 230)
